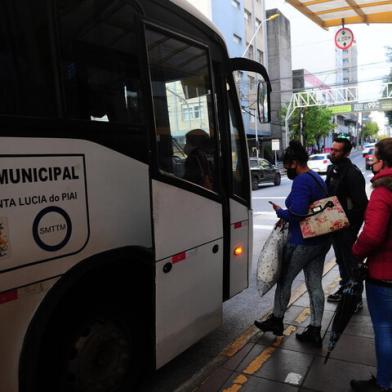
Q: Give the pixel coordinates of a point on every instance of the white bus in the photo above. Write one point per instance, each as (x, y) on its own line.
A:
(125, 203)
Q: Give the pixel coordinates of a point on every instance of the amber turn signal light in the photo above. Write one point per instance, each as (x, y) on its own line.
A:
(238, 251)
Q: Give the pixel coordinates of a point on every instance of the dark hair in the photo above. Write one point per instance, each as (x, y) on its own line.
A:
(295, 152)
(384, 150)
(198, 138)
(347, 146)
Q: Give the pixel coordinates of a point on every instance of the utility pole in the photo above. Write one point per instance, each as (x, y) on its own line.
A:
(256, 135)
(301, 126)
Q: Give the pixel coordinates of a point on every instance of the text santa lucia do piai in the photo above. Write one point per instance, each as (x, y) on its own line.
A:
(33, 175)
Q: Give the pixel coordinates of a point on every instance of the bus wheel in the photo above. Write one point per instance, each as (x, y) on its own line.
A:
(91, 350)
(100, 356)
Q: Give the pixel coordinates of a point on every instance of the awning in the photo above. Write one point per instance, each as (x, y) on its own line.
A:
(327, 13)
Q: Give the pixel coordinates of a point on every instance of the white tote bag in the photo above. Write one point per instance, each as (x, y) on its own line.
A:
(270, 259)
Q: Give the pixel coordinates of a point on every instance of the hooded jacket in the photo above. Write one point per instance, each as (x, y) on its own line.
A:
(375, 240)
(346, 181)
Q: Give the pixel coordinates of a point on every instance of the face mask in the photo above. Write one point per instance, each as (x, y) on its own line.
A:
(291, 173)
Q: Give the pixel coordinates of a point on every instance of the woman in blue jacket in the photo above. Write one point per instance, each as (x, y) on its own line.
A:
(300, 254)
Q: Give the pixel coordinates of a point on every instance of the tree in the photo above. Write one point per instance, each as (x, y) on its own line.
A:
(316, 124)
(370, 129)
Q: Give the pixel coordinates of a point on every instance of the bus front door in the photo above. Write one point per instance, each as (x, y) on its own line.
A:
(249, 81)
(187, 207)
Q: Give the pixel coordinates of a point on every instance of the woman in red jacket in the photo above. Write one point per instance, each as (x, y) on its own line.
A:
(375, 244)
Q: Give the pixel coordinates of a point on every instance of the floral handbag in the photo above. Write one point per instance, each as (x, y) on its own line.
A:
(324, 216)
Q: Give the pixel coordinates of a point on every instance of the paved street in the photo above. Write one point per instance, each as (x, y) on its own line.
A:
(239, 313)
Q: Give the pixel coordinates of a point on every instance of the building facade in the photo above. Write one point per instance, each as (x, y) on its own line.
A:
(280, 71)
(242, 23)
(347, 75)
(347, 65)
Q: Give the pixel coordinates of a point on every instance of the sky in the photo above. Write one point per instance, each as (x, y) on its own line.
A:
(313, 48)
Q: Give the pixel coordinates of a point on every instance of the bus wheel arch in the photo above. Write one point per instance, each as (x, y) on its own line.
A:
(87, 307)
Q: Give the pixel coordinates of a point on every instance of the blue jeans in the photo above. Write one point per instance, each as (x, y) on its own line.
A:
(380, 307)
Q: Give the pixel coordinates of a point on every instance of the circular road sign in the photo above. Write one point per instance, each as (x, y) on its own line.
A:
(344, 38)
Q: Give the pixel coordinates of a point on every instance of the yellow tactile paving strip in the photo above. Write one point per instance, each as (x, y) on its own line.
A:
(258, 362)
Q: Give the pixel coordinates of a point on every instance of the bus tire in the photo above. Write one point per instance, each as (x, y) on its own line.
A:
(96, 349)
(94, 336)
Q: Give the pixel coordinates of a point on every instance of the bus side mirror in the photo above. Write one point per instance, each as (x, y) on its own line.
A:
(263, 102)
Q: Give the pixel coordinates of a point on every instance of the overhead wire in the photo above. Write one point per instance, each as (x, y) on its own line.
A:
(336, 70)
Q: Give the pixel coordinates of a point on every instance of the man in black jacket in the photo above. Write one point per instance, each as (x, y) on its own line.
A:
(346, 181)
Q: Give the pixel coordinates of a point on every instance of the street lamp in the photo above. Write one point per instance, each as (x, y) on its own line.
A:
(274, 16)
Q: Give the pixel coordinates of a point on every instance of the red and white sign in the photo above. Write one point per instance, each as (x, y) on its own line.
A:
(344, 38)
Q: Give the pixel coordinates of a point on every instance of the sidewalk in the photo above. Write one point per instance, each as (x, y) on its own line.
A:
(260, 361)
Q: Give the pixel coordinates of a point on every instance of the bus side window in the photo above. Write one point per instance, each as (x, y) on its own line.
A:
(99, 60)
(183, 109)
(26, 73)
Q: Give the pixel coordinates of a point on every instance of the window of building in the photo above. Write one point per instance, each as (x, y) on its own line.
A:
(191, 112)
(260, 56)
(345, 61)
(237, 39)
(251, 82)
(257, 23)
(238, 77)
(235, 3)
(249, 52)
(247, 15)
(346, 80)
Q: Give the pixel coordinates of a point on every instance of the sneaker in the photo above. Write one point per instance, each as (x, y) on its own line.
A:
(311, 335)
(272, 324)
(367, 386)
(336, 296)
(358, 307)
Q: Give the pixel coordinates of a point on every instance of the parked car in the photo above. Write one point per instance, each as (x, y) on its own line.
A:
(319, 162)
(369, 158)
(366, 148)
(262, 172)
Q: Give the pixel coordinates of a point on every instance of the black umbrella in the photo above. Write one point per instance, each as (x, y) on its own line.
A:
(351, 297)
